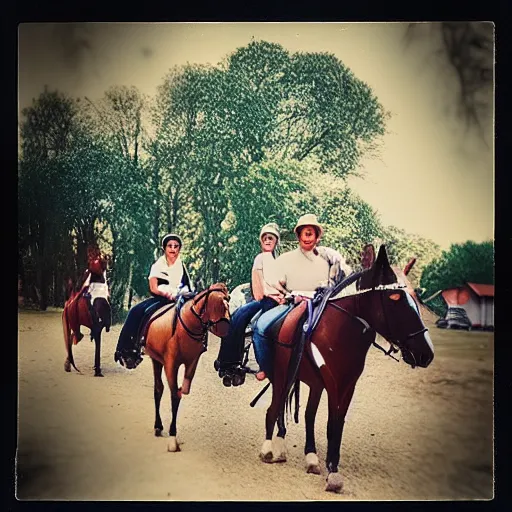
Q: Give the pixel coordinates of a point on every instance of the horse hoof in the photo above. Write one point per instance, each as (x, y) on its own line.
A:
(172, 445)
(334, 482)
(67, 366)
(279, 450)
(312, 463)
(158, 432)
(98, 374)
(266, 451)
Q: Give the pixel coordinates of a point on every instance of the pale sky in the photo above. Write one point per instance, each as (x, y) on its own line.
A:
(432, 178)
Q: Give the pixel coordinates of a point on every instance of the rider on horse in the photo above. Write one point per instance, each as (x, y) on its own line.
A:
(266, 297)
(94, 277)
(298, 272)
(167, 277)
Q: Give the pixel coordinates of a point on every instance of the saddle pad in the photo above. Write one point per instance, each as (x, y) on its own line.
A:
(98, 290)
(289, 326)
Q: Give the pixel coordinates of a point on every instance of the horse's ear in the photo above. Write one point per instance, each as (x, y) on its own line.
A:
(383, 273)
(409, 265)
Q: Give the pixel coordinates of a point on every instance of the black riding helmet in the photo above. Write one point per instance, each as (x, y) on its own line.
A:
(171, 236)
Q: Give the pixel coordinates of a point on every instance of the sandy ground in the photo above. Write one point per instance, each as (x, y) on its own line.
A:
(422, 434)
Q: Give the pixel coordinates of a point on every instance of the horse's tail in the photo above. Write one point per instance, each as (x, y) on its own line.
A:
(69, 288)
(67, 338)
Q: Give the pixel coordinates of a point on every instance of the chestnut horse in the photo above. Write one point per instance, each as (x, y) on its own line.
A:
(178, 337)
(334, 356)
(90, 308)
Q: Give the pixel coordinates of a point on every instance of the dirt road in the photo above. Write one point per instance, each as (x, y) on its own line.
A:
(409, 435)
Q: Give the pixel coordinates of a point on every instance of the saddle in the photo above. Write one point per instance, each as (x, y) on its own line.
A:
(322, 296)
(284, 332)
(148, 320)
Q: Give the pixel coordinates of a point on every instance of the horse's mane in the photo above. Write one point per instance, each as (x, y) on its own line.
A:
(346, 281)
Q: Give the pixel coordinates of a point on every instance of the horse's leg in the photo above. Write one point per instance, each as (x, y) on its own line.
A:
(97, 354)
(68, 342)
(338, 406)
(312, 462)
(266, 454)
(157, 393)
(276, 451)
(171, 372)
(279, 446)
(190, 371)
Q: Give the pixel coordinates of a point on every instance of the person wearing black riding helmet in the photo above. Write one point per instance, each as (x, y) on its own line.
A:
(168, 276)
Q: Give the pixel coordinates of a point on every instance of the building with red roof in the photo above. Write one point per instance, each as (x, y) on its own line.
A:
(477, 300)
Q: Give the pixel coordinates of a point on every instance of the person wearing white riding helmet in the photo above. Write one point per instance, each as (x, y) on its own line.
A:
(167, 277)
(299, 273)
(265, 296)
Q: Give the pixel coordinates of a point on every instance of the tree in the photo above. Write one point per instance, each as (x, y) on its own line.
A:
(49, 131)
(402, 246)
(117, 121)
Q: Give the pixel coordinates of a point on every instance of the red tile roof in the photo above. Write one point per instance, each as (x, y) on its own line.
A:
(483, 290)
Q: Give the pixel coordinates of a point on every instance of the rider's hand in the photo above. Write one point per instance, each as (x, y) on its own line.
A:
(298, 299)
(169, 296)
(281, 299)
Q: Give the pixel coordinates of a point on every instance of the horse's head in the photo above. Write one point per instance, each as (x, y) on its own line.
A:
(214, 309)
(396, 313)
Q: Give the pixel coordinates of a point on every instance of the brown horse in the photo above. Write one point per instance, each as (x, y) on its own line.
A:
(178, 337)
(89, 308)
(334, 356)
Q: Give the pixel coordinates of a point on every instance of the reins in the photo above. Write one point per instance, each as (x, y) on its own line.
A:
(203, 335)
(366, 327)
(399, 343)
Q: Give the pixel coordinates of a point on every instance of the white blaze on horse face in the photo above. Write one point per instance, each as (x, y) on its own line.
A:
(413, 304)
(319, 360)
(429, 341)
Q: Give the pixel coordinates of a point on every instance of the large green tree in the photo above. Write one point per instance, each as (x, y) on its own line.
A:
(49, 135)
(266, 135)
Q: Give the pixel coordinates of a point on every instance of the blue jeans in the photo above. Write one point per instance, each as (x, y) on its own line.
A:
(134, 319)
(232, 345)
(261, 340)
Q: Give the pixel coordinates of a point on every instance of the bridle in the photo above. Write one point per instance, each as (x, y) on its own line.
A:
(202, 336)
(396, 344)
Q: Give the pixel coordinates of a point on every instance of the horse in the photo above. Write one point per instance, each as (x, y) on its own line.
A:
(90, 308)
(179, 336)
(334, 355)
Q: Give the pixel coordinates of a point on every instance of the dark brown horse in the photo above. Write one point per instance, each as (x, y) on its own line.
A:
(334, 357)
(178, 337)
(91, 308)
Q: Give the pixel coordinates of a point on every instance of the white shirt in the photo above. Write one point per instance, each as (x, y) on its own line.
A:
(302, 271)
(173, 274)
(266, 262)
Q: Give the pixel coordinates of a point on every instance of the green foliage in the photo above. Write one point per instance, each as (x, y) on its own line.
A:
(402, 247)
(218, 152)
(468, 262)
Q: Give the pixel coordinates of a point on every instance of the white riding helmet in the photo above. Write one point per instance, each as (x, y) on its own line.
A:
(271, 228)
